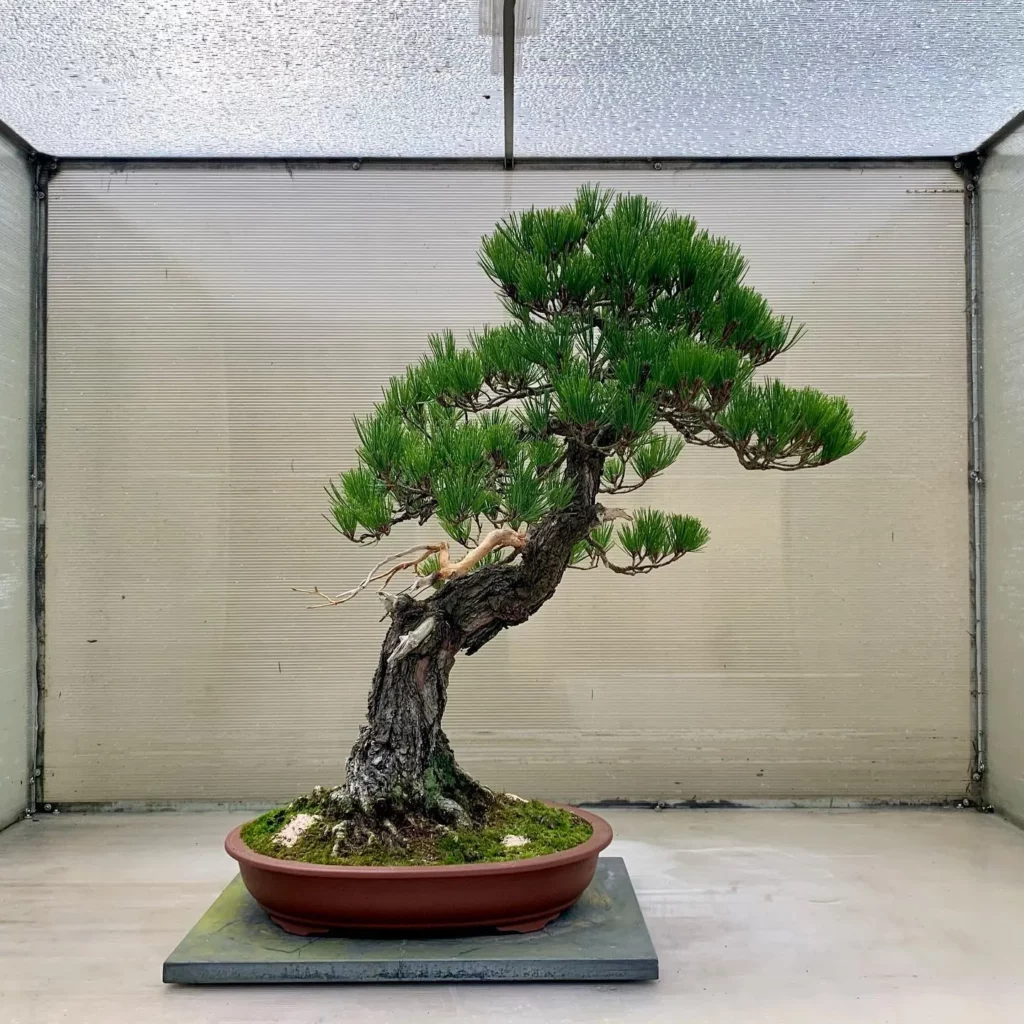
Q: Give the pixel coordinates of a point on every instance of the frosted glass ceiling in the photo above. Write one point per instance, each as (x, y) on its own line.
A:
(602, 77)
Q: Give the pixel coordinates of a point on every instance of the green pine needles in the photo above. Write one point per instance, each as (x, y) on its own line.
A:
(631, 334)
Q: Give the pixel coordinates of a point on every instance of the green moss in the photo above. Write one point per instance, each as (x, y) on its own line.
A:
(548, 829)
(259, 834)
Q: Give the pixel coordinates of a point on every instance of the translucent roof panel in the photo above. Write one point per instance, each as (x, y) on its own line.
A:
(770, 77)
(249, 78)
(417, 78)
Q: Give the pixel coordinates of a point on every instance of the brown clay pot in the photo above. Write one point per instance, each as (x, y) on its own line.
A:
(519, 895)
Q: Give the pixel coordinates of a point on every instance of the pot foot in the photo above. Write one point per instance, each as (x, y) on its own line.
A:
(297, 927)
(522, 927)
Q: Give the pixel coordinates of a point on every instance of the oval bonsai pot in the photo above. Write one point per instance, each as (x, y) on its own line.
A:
(517, 895)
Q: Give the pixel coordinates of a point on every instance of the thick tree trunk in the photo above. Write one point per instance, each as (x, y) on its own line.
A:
(402, 759)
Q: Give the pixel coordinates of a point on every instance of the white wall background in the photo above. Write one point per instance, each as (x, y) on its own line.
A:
(15, 497)
(213, 331)
(1002, 278)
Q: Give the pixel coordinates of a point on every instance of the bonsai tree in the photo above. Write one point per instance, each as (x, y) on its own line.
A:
(630, 336)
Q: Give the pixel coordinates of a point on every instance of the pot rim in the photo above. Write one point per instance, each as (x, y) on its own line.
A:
(602, 836)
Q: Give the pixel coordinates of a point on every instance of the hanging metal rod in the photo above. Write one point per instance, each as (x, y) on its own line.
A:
(508, 67)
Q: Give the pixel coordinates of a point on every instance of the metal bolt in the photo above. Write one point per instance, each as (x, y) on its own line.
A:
(38, 772)
(40, 194)
(657, 165)
(356, 164)
(976, 776)
(970, 186)
(47, 807)
(957, 165)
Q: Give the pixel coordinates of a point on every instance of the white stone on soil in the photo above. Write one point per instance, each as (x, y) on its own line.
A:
(512, 842)
(295, 829)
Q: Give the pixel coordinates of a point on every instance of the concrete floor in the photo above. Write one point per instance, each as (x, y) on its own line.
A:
(758, 916)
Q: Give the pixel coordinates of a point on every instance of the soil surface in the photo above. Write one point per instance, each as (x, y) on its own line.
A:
(510, 829)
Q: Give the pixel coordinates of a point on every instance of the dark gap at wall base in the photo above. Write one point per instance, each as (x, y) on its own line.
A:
(257, 806)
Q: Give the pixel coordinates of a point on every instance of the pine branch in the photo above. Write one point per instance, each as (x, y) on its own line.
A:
(638, 568)
(445, 570)
(424, 551)
(771, 426)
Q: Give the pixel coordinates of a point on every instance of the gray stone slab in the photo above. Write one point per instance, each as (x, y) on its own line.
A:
(602, 938)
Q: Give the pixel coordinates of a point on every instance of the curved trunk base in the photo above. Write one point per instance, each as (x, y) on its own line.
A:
(401, 776)
(393, 804)
(396, 783)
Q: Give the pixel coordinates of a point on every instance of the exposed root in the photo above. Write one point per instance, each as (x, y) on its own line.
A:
(359, 831)
(454, 810)
(337, 817)
(339, 833)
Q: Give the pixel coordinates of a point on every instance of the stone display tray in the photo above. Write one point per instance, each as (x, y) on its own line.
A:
(602, 938)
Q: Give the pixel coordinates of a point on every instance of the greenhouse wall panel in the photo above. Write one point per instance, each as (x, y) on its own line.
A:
(214, 329)
(16, 666)
(1002, 277)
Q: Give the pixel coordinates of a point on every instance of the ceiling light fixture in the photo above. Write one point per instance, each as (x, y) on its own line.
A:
(529, 21)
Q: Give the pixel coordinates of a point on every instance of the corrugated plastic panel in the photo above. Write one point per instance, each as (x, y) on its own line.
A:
(213, 331)
(15, 492)
(1002, 278)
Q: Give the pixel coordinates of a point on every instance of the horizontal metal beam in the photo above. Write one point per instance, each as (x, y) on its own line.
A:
(286, 164)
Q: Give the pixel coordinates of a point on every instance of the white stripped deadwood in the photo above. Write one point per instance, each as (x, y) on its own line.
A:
(625, 320)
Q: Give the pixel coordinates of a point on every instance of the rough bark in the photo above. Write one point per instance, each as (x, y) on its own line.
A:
(402, 759)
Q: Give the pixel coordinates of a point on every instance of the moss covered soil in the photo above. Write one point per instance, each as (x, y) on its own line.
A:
(423, 843)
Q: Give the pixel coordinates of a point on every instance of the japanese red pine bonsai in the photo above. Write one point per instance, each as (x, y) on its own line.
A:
(630, 335)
